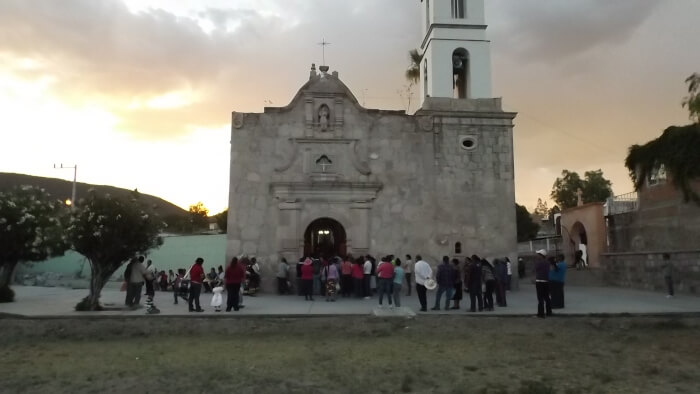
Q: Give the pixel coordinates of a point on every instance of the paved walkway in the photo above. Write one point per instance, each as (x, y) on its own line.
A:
(57, 301)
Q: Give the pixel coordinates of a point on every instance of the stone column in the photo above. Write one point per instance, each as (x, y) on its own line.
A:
(288, 233)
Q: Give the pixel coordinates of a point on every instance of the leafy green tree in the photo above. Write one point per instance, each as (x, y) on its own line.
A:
(594, 188)
(692, 101)
(526, 227)
(222, 220)
(199, 216)
(30, 230)
(677, 150)
(109, 231)
(565, 188)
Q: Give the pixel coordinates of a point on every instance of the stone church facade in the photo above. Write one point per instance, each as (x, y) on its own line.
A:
(325, 176)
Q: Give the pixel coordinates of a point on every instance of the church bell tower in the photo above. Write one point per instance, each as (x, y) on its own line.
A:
(456, 59)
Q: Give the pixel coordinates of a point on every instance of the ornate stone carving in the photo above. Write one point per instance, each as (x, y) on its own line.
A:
(286, 163)
(360, 165)
(426, 123)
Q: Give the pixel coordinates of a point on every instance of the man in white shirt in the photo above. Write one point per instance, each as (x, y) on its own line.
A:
(422, 272)
(408, 272)
(367, 270)
(510, 273)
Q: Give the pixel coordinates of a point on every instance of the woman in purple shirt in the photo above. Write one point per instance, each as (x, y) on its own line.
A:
(331, 274)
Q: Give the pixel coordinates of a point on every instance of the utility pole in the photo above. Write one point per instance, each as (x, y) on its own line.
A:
(75, 176)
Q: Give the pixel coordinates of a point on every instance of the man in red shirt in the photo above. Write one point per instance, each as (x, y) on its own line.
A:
(196, 279)
(235, 273)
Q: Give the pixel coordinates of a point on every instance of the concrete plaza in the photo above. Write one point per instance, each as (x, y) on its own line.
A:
(60, 302)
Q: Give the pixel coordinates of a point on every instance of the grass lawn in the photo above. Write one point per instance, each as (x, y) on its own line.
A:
(440, 354)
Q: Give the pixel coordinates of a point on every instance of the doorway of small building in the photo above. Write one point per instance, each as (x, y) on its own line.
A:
(325, 238)
(580, 240)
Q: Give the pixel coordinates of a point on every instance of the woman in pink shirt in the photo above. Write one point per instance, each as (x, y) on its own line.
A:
(385, 276)
(307, 279)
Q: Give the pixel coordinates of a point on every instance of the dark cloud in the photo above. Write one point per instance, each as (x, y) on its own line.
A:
(98, 50)
(554, 30)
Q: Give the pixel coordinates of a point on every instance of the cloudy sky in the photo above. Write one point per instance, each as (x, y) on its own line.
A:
(138, 93)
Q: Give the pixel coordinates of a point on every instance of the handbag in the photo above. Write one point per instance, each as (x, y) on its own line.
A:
(123, 286)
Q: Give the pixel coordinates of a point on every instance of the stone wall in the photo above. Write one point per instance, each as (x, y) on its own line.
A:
(644, 270)
(662, 222)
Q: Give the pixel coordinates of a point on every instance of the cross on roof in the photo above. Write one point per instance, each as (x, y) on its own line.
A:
(323, 45)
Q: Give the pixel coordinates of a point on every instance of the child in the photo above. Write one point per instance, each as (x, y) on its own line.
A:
(180, 285)
(216, 298)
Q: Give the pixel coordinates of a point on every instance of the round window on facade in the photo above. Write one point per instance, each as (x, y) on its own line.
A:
(467, 142)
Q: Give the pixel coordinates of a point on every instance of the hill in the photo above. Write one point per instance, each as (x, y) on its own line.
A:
(62, 190)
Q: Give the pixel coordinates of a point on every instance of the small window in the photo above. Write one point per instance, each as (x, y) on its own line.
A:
(324, 162)
(657, 176)
(458, 11)
(467, 142)
(458, 248)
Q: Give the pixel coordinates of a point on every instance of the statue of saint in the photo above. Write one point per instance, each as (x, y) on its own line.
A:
(323, 114)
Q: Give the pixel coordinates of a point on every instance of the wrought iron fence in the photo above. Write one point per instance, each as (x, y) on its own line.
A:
(621, 204)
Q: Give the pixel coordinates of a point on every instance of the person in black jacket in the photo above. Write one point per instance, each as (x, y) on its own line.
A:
(501, 273)
(475, 284)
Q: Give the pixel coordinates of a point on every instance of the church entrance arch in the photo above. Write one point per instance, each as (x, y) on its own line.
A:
(325, 237)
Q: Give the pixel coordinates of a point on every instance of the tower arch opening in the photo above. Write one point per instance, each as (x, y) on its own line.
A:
(460, 73)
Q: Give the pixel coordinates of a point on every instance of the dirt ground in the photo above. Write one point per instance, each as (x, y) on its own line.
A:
(440, 354)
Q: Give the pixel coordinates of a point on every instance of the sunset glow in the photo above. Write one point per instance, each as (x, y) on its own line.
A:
(139, 93)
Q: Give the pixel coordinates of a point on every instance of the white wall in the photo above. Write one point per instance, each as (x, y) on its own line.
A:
(441, 43)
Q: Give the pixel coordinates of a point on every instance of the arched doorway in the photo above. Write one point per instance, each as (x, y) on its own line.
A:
(579, 238)
(325, 237)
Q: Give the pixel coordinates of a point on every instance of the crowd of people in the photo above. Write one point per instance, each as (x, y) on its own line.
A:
(364, 277)
(360, 277)
(241, 277)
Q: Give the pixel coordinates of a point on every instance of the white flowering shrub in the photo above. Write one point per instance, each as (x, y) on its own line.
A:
(108, 231)
(30, 230)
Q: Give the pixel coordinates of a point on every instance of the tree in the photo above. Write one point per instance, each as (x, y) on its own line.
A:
(412, 75)
(413, 71)
(30, 230)
(594, 186)
(199, 216)
(541, 209)
(677, 150)
(692, 101)
(527, 228)
(109, 231)
(222, 220)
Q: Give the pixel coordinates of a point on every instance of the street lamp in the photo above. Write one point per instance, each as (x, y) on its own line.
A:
(75, 175)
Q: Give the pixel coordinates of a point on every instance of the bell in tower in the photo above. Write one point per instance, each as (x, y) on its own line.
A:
(456, 59)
